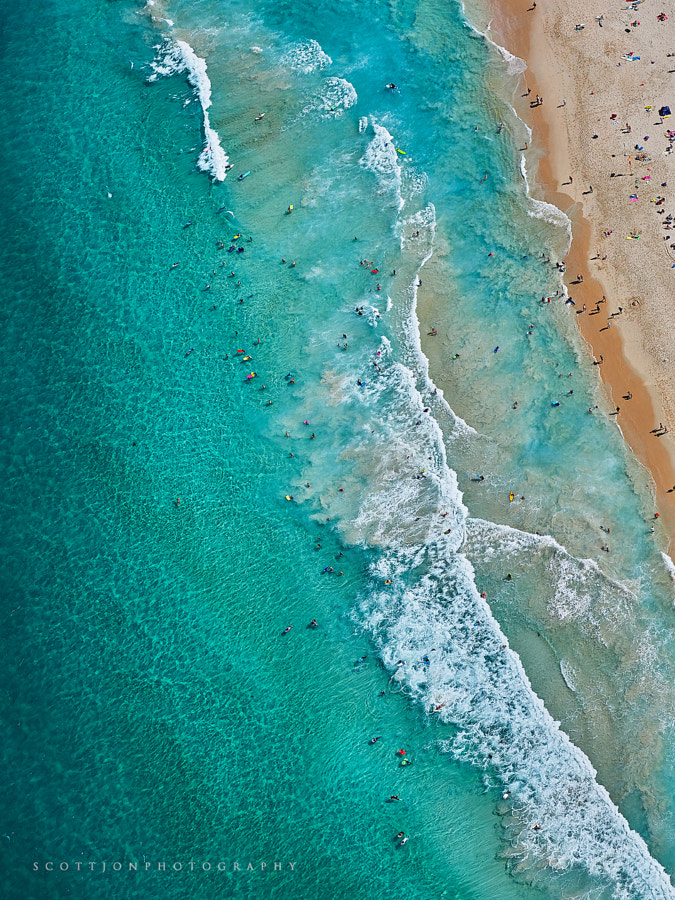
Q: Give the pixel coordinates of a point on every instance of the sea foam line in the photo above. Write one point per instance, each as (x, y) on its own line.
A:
(560, 816)
(515, 66)
(178, 56)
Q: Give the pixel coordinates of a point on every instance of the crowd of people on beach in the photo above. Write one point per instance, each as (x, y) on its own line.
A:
(640, 162)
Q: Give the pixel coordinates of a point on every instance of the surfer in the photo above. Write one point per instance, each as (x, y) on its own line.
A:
(392, 86)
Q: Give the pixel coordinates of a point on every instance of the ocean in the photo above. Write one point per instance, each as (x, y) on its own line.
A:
(307, 476)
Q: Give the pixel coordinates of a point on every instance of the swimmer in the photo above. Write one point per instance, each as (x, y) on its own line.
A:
(313, 624)
(399, 835)
(286, 630)
(375, 739)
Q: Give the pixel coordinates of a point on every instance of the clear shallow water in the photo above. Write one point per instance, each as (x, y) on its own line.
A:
(156, 712)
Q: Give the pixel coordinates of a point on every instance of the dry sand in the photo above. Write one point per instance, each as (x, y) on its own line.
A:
(585, 78)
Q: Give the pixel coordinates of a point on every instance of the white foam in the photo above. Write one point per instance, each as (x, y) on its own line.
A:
(488, 698)
(478, 682)
(537, 209)
(363, 124)
(568, 674)
(424, 222)
(306, 57)
(514, 64)
(559, 816)
(177, 57)
(435, 603)
(381, 158)
(337, 95)
(670, 565)
(540, 209)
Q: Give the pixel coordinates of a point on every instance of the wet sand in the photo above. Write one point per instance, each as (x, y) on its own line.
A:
(582, 68)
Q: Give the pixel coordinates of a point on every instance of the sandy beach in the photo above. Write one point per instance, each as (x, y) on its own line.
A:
(596, 79)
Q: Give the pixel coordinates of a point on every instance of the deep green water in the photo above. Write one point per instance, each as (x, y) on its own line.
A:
(156, 716)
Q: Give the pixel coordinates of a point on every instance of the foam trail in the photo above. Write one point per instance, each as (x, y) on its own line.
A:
(670, 565)
(338, 94)
(306, 57)
(179, 56)
(559, 816)
(540, 209)
(381, 158)
(424, 222)
(514, 64)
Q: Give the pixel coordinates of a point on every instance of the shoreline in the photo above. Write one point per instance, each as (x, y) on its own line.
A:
(557, 152)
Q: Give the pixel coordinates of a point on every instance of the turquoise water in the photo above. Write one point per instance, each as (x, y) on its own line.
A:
(158, 720)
